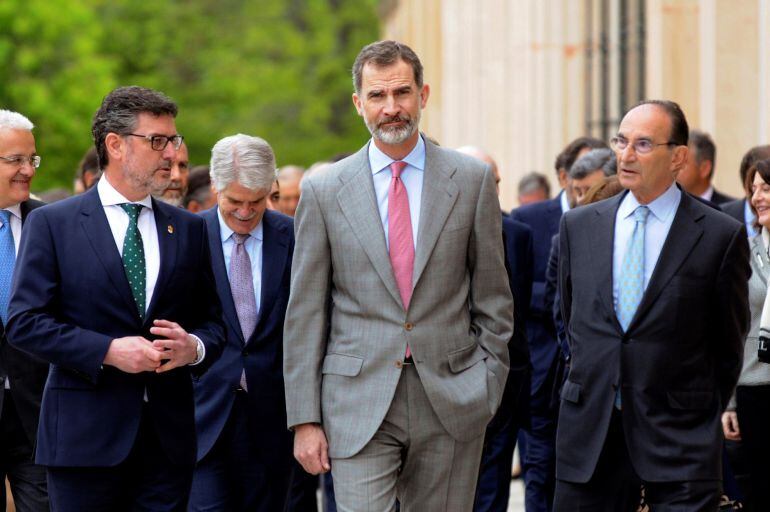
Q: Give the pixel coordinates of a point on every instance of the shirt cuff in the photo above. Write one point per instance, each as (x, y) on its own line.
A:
(201, 351)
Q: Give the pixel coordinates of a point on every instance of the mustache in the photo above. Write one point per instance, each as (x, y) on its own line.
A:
(394, 119)
(246, 218)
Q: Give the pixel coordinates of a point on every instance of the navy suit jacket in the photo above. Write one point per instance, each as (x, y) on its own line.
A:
(262, 354)
(543, 219)
(71, 298)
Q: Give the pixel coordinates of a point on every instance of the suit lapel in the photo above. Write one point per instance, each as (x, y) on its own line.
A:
(682, 237)
(220, 272)
(602, 248)
(97, 231)
(358, 203)
(760, 259)
(439, 194)
(275, 251)
(168, 242)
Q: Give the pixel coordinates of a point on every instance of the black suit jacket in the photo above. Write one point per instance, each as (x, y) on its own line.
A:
(679, 360)
(735, 209)
(719, 198)
(26, 373)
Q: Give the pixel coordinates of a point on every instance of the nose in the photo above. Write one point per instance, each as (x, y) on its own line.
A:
(391, 105)
(27, 169)
(169, 152)
(627, 153)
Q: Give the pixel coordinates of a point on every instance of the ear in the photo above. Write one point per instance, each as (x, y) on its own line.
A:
(704, 169)
(681, 154)
(358, 104)
(115, 145)
(424, 93)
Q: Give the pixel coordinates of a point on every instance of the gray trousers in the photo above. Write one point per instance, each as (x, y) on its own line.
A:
(410, 458)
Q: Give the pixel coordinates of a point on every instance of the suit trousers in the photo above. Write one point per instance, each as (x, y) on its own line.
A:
(411, 458)
(146, 481)
(753, 409)
(615, 486)
(243, 471)
(17, 463)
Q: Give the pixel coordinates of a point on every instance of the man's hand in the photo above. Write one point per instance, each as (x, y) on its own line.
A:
(133, 354)
(311, 449)
(178, 348)
(730, 426)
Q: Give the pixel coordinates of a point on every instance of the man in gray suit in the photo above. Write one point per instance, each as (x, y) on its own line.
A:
(400, 310)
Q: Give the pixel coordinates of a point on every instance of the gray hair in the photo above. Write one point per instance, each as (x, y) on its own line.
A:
(14, 121)
(595, 160)
(532, 182)
(248, 160)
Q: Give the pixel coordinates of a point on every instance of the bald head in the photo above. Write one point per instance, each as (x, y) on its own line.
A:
(482, 155)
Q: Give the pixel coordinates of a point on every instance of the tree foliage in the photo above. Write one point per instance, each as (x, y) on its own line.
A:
(279, 69)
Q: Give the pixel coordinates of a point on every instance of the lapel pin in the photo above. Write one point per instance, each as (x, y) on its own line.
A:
(170, 229)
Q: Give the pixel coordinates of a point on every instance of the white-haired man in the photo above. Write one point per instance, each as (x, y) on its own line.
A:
(244, 448)
(21, 377)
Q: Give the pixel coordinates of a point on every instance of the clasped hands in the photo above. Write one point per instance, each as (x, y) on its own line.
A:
(135, 354)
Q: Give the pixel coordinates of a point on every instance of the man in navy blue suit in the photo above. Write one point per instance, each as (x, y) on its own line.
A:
(115, 290)
(537, 450)
(244, 449)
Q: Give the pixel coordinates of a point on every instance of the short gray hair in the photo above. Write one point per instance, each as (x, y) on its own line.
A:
(248, 160)
(595, 160)
(14, 121)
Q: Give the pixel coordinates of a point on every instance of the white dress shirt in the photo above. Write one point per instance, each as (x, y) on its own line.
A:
(411, 176)
(118, 219)
(564, 202)
(662, 213)
(253, 246)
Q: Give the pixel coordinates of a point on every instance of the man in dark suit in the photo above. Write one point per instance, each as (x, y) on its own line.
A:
(654, 296)
(537, 443)
(244, 449)
(22, 377)
(124, 331)
(698, 172)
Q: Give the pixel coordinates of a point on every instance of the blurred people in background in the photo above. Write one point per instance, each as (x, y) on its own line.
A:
(537, 443)
(590, 169)
(199, 195)
(176, 190)
(274, 197)
(747, 418)
(740, 209)
(88, 172)
(289, 179)
(244, 448)
(697, 174)
(533, 188)
(22, 376)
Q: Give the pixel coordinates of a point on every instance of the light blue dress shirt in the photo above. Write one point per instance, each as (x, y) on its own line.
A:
(748, 219)
(253, 246)
(564, 202)
(662, 213)
(411, 176)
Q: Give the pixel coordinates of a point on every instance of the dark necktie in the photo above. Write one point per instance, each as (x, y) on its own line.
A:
(133, 257)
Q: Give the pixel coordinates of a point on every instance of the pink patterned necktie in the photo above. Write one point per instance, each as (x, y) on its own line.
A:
(400, 236)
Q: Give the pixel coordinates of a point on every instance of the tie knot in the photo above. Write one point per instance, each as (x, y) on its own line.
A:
(5, 216)
(239, 239)
(641, 213)
(397, 168)
(132, 209)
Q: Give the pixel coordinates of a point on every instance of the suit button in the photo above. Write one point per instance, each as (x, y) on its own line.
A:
(409, 326)
(399, 364)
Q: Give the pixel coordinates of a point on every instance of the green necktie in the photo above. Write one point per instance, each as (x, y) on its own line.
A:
(133, 257)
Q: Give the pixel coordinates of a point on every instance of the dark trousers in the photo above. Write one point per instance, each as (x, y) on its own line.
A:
(245, 469)
(753, 409)
(27, 479)
(615, 486)
(494, 484)
(302, 491)
(146, 481)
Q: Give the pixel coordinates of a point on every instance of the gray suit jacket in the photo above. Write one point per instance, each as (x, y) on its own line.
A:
(346, 330)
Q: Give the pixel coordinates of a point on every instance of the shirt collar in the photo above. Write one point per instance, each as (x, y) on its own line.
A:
(564, 201)
(380, 161)
(15, 210)
(225, 232)
(109, 196)
(708, 194)
(662, 207)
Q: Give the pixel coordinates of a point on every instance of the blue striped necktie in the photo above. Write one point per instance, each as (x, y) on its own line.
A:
(7, 261)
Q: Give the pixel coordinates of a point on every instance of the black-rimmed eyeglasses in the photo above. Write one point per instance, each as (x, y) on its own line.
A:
(159, 142)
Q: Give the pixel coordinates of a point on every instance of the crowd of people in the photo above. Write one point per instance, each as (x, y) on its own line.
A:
(215, 337)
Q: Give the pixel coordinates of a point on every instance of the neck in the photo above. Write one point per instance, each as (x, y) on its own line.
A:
(700, 189)
(115, 178)
(398, 151)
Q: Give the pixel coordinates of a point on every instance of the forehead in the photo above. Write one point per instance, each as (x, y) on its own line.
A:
(16, 140)
(181, 154)
(398, 74)
(150, 124)
(646, 121)
(237, 192)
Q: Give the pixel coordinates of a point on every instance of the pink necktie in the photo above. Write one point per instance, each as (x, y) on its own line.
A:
(400, 236)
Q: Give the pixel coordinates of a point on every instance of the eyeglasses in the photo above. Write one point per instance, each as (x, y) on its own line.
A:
(641, 146)
(19, 160)
(159, 142)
